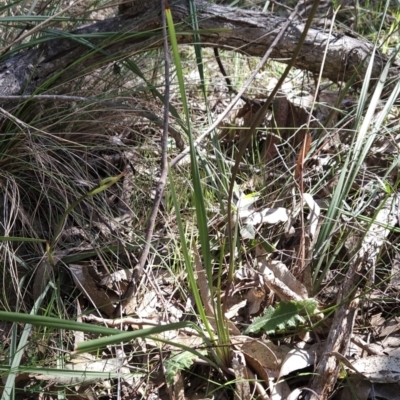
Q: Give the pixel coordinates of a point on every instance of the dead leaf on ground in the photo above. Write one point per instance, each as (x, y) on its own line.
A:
(263, 356)
(43, 274)
(381, 369)
(364, 390)
(281, 272)
(87, 285)
(255, 297)
(382, 327)
(83, 368)
(297, 359)
(235, 304)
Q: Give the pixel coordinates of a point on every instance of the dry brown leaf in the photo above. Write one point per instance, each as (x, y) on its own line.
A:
(278, 287)
(377, 322)
(147, 307)
(189, 341)
(235, 303)
(43, 274)
(175, 337)
(384, 328)
(117, 276)
(89, 364)
(262, 353)
(256, 366)
(391, 343)
(280, 272)
(87, 285)
(363, 390)
(255, 297)
(285, 117)
(381, 369)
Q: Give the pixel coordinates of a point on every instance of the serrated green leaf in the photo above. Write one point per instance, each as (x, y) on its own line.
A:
(178, 362)
(259, 322)
(309, 306)
(286, 315)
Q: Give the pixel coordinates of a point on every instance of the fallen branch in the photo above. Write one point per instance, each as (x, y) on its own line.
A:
(246, 31)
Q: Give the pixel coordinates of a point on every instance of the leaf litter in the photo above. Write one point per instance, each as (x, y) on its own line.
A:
(267, 287)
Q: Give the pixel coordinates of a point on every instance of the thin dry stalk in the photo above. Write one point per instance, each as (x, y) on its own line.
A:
(139, 268)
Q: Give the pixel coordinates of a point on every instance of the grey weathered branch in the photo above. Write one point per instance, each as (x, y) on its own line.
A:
(246, 31)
